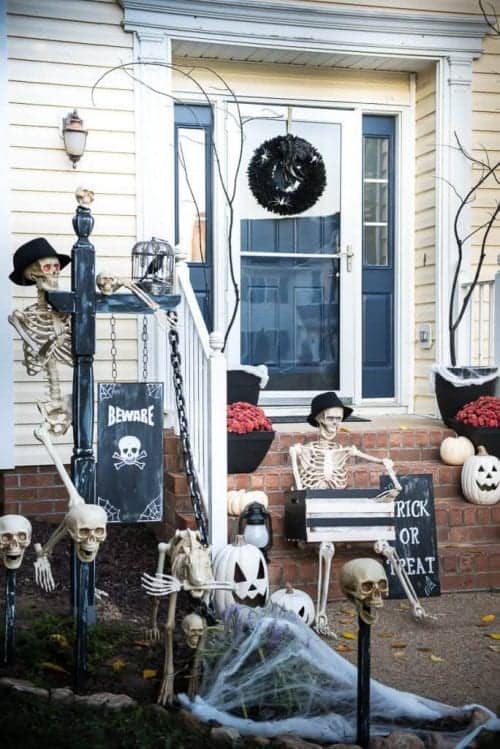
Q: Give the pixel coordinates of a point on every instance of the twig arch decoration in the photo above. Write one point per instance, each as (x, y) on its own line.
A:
(286, 175)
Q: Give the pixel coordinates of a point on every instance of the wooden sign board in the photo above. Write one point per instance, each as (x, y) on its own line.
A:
(416, 541)
(129, 475)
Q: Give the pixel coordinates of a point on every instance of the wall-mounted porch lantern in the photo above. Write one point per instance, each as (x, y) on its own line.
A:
(74, 136)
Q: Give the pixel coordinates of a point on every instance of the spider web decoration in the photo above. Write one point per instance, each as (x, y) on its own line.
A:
(106, 390)
(112, 512)
(153, 511)
(154, 389)
(286, 175)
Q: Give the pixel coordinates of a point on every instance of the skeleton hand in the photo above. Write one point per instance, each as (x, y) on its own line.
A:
(43, 570)
(163, 585)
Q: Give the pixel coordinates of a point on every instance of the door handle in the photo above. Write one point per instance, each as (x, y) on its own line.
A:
(348, 253)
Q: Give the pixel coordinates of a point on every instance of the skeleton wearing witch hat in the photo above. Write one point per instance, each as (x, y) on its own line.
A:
(46, 334)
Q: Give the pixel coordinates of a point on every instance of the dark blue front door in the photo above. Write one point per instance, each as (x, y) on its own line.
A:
(378, 257)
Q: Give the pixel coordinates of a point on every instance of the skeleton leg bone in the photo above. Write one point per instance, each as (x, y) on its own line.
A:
(326, 554)
(153, 633)
(166, 695)
(384, 548)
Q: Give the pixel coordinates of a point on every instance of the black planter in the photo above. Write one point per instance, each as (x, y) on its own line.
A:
(451, 399)
(488, 437)
(242, 386)
(245, 452)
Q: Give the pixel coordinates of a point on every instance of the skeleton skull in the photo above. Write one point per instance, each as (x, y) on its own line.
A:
(364, 582)
(84, 196)
(45, 273)
(86, 524)
(329, 421)
(193, 627)
(15, 537)
(130, 448)
(107, 284)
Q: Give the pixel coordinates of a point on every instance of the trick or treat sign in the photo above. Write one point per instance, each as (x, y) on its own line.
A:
(130, 451)
(415, 542)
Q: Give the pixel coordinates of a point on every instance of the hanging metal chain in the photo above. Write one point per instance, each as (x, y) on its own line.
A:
(113, 350)
(145, 350)
(192, 478)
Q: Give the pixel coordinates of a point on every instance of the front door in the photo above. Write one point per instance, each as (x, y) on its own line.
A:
(300, 274)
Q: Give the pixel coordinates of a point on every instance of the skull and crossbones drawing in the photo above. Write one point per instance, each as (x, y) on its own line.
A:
(130, 453)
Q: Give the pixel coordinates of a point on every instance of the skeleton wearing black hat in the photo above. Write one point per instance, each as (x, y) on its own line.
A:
(322, 464)
(46, 334)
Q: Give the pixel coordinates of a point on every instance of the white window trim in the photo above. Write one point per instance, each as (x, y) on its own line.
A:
(7, 369)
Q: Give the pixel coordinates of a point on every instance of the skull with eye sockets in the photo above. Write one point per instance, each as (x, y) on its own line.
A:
(364, 582)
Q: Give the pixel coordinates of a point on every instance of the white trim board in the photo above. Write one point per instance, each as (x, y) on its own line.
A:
(308, 26)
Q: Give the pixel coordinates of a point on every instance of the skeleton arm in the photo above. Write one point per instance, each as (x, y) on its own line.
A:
(18, 322)
(388, 464)
(295, 455)
(43, 570)
(165, 585)
(42, 435)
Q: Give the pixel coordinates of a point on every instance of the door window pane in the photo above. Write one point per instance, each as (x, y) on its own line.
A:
(376, 158)
(375, 245)
(375, 200)
(191, 150)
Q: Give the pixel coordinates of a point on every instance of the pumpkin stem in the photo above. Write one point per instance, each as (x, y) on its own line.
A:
(289, 587)
(481, 450)
(239, 540)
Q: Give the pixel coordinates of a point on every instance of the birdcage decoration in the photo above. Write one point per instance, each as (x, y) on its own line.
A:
(153, 266)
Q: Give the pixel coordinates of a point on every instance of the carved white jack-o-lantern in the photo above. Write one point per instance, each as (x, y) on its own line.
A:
(15, 537)
(364, 582)
(481, 478)
(297, 601)
(244, 565)
(86, 524)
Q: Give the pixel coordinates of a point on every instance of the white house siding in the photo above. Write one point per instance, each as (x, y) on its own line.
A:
(425, 215)
(57, 49)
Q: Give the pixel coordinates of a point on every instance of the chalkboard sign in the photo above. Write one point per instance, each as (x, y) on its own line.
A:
(416, 541)
(130, 451)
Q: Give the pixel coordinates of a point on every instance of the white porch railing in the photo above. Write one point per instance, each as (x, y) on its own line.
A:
(481, 324)
(203, 367)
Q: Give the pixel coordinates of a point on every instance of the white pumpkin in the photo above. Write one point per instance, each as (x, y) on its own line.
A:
(297, 601)
(238, 499)
(244, 565)
(481, 478)
(454, 451)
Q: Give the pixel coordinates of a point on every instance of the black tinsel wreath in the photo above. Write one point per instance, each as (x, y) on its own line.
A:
(286, 175)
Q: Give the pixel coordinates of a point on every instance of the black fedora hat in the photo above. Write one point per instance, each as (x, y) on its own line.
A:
(326, 400)
(35, 249)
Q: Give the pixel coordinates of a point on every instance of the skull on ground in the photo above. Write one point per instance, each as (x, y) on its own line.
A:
(86, 524)
(364, 582)
(193, 626)
(45, 273)
(15, 537)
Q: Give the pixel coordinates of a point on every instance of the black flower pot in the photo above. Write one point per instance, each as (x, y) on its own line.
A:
(242, 386)
(488, 437)
(451, 399)
(245, 452)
